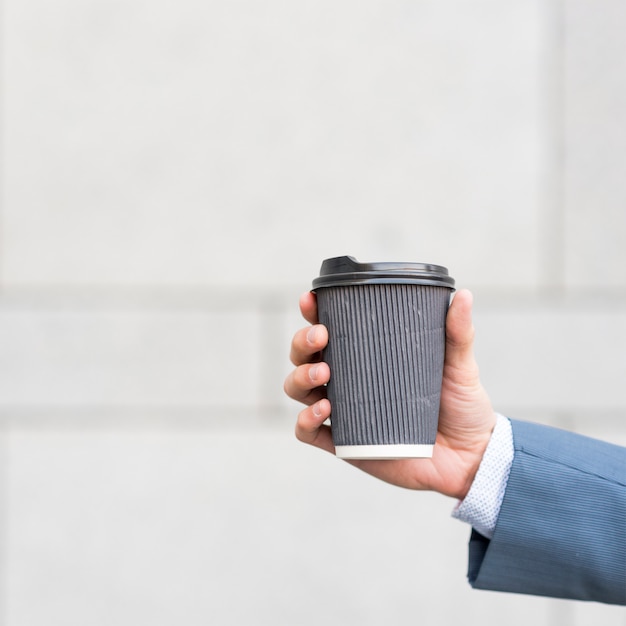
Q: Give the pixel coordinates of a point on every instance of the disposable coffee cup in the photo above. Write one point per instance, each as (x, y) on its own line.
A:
(386, 347)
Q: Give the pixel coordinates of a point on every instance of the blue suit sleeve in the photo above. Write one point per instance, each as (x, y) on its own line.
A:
(561, 531)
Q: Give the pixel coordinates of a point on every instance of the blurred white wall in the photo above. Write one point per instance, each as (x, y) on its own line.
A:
(173, 174)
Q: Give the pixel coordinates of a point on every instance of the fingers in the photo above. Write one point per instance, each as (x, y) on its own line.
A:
(308, 307)
(306, 382)
(308, 344)
(310, 426)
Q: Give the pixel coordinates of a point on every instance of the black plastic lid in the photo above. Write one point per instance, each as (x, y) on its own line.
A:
(346, 270)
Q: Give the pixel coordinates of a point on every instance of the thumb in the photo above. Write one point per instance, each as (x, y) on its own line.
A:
(460, 331)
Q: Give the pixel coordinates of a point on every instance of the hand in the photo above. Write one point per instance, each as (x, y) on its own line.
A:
(466, 417)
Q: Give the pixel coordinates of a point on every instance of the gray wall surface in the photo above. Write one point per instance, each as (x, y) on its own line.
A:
(172, 175)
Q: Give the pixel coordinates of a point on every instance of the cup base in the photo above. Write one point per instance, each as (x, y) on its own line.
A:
(385, 452)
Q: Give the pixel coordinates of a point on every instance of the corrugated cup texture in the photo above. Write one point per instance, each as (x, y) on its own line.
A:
(386, 351)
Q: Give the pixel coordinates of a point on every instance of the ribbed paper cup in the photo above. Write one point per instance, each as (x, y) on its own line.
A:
(386, 348)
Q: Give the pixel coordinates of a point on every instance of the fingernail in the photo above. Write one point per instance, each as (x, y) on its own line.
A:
(317, 411)
(312, 334)
(313, 373)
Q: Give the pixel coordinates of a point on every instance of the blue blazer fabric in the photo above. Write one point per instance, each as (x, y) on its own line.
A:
(561, 531)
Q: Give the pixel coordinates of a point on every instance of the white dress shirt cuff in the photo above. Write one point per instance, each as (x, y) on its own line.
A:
(481, 505)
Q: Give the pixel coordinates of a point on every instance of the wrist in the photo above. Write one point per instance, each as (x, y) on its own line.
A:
(474, 462)
(480, 506)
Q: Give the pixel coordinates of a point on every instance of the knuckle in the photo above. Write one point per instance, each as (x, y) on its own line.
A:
(298, 434)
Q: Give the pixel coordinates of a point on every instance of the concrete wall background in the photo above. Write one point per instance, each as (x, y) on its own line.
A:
(172, 175)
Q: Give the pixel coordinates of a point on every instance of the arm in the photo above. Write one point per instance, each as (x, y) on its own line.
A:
(546, 521)
(561, 530)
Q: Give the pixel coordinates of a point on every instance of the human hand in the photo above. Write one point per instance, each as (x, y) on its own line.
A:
(466, 417)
